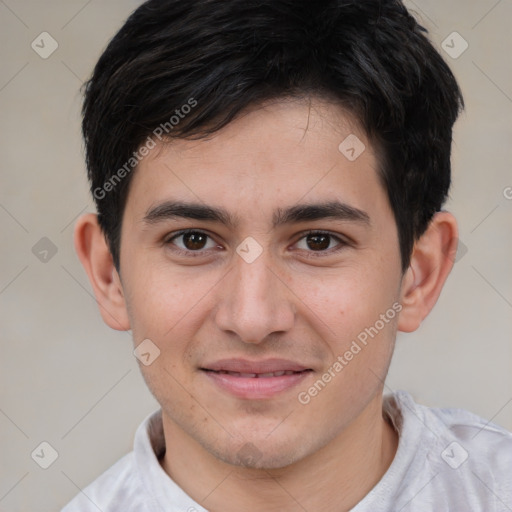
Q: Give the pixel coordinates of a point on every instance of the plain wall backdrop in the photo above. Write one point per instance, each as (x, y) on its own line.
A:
(68, 380)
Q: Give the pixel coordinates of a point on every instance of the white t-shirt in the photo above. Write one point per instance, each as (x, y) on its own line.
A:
(447, 460)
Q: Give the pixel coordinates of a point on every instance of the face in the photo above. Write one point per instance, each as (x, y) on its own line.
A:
(264, 264)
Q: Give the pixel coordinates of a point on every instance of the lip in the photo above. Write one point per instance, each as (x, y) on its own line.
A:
(246, 366)
(253, 381)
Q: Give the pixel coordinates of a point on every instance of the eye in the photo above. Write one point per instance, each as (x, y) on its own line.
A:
(320, 242)
(191, 241)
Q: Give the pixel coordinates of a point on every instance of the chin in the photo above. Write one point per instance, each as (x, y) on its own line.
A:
(258, 454)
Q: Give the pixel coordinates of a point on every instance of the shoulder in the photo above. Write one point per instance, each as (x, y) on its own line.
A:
(480, 439)
(132, 483)
(466, 459)
(117, 488)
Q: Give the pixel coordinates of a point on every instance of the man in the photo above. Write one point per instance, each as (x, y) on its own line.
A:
(269, 178)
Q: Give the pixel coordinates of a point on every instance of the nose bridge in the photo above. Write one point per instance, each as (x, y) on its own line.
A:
(253, 281)
(253, 302)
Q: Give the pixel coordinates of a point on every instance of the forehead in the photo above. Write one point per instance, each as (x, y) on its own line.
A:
(277, 154)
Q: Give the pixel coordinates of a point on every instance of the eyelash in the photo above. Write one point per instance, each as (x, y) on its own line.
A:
(312, 254)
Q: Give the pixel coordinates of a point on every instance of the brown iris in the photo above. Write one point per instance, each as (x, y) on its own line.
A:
(318, 241)
(194, 240)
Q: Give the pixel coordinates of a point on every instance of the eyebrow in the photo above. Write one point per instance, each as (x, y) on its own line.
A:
(294, 214)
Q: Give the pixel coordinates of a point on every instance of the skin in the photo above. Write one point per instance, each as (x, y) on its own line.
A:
(323, 455)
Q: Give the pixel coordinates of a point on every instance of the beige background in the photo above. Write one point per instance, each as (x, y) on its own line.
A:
(65, 378)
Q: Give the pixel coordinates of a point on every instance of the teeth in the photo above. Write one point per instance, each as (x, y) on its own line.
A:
(238, 374)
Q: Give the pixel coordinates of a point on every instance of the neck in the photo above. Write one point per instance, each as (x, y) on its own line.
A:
(335, 478)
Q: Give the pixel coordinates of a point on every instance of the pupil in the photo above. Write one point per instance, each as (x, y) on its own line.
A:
(319, 241)
(194, 240)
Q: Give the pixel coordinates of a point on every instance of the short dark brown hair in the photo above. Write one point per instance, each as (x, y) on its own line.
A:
(190, 67)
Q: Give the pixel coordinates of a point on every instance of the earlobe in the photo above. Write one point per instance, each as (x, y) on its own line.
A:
(431, 262)
(93, 252)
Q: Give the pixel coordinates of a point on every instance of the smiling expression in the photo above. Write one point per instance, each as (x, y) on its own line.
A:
(253, 259)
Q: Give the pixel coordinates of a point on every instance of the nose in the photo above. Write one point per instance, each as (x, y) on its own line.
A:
(254, 302)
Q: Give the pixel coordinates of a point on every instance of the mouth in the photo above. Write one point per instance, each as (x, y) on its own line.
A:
(267, 375)
(253, 380)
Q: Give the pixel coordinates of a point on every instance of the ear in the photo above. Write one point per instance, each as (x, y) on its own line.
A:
(93, 251)
(431, 262)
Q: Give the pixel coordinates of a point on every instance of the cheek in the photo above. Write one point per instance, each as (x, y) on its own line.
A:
(350, 298)
(158, 301)
(356, 316)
